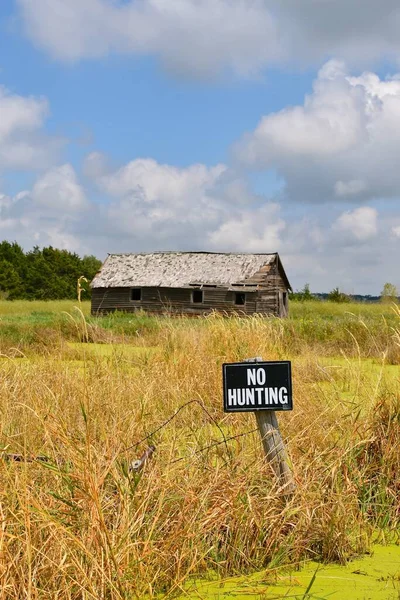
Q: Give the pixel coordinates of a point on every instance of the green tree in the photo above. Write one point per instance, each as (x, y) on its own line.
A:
(47, 273)
(12, 252)
(336, 295)
(14, 255)
(41, 282)
(389, 293)
(90, 265)
(303, 295)
(10, 281)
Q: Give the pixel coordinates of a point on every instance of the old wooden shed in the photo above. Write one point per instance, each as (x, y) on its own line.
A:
(191, 283)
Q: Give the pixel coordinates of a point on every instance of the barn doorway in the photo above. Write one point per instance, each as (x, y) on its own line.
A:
(283, 304)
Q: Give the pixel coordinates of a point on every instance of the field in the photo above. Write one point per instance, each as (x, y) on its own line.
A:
(89, 395)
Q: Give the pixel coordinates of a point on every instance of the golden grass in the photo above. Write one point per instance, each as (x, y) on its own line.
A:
(82, 526)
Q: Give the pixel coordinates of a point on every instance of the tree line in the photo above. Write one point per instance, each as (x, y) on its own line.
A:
(43, 274)
(388, 294)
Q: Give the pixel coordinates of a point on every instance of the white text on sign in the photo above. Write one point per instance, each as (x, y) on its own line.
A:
(262, 395)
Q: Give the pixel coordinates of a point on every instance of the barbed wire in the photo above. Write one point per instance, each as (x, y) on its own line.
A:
(228, 439)
(224, 439)
(171, 418)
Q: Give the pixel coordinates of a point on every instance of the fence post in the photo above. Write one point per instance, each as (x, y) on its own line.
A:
(274, 447)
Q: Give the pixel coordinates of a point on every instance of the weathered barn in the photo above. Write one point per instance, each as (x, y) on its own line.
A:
(191, 283)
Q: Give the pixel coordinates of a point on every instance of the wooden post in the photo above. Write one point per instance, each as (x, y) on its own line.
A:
(274, 447)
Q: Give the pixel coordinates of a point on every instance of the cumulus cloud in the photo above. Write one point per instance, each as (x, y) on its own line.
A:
(160, 183)
(22, 142)
(156, 206)
(342, 143)
(203, 37)
(145, 206)
(197, 38)
(160, 207)
(149, 206)
(59, 190)
(252, 230)
(359, 31)
(330, 122)
(50, 213)
(360, 224)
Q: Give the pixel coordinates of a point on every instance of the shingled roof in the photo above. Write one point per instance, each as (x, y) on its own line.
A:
(180, 269)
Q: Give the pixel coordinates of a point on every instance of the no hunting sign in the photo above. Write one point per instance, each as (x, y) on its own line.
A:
(257, 386)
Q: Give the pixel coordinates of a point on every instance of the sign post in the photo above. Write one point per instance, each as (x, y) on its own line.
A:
(263, 387)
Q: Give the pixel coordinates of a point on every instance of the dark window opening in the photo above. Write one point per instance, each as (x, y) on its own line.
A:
(240, 298)
(283, 305)
(197, 296)
(136, 294)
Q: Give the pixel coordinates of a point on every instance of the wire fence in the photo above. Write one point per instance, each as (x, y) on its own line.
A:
(138, 464)
(224, 440)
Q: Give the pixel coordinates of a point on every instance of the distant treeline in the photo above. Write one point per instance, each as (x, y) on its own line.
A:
(43, 274)
(352, 297)
(388, 294)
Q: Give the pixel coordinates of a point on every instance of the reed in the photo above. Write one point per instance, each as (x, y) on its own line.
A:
(82, 525)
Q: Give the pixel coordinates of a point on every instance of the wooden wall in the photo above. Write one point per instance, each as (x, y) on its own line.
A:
(269, 299)
(170, 300)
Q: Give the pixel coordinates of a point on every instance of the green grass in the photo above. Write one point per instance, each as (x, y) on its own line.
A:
(40, 308)
(332, 310)
(328, 327)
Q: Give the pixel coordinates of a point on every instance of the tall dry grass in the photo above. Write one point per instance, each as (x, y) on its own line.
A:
(83, 526)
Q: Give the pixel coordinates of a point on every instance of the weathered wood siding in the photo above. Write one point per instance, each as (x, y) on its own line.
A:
(269, 299)
(170, 300)
(271, 287)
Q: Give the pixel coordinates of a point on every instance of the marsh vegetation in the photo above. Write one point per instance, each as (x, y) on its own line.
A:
(91, 394)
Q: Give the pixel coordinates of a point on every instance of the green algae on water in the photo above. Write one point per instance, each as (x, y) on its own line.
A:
(373, 577)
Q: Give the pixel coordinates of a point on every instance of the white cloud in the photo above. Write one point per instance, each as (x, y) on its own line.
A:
(157, 206)
(353, 250)
(194, 37)
(257, 230)
(161, 183)
(343, 142)
(50, 213)
(360, 31)
(96, 165)
(22, 142)
(350, 188)
(160, 207)
(396, 231)
(19, 113)
(330, 122)
(59, 190)
(360, 223)
(203, 37)
(148, 206)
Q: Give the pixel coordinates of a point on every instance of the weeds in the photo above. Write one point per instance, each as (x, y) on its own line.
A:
(82, 525)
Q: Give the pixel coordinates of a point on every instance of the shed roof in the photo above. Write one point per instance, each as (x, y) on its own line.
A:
(180, 269)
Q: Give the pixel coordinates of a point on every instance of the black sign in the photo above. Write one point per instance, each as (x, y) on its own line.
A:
(257, 386)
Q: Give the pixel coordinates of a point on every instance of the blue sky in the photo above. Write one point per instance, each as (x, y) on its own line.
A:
(231, 125)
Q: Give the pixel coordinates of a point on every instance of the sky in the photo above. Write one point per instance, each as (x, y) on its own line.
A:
(218, 125)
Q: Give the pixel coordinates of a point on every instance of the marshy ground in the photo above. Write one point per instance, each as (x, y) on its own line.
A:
(88, 393)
